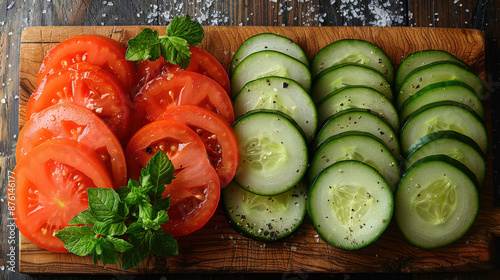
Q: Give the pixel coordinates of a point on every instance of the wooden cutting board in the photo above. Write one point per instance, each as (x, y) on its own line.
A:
(217, 247)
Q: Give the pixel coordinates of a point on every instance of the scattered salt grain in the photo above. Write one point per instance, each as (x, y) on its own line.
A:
(4, 101)
(110, 4)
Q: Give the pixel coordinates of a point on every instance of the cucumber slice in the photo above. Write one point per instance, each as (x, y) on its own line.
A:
(435, 73)
(420, 59)
(436, 202)
(443, 91)
(358, 97)
(280, 94)
(349, 74)
(452, 144)
(265, 218)
(271, 42)
(359, 146)
(350, 205)
(269, 63)
(362, 120)
(352, 50)
(441, 116)
(273, 152)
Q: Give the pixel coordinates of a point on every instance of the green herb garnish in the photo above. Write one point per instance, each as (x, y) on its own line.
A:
(126, 221)
(174, 48)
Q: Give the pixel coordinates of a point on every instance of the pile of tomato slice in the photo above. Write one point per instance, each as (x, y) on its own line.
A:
(94, 121)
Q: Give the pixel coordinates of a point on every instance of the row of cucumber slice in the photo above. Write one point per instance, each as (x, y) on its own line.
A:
(276, 122)
(356, 167)
(444, 141)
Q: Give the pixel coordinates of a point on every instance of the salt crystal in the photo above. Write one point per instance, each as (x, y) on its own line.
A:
(110, 4)
(10, 33)
(44, 11)
(4, 101)
(14, 136)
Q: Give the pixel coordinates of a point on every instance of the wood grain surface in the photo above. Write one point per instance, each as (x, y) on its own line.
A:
(218, 248)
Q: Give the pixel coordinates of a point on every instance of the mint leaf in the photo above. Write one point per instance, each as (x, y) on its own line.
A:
(119, 245)
(83, 218)
(161, 204)
(106, 252)
(163, 244)
(161, 217)
(145, 210)
(189, 30)
(79, 240)
(135, 227)
(105, 205)
(134, 256)
(125, 190)
(175, 50)
(144, 46)
(137, 193)
(110, 228)
(161, 172)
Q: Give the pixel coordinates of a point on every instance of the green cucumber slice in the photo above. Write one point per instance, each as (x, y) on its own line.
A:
(362, 120)
(435, 73)
(271, 42)
(265, 218)
(437, 202)
(358, 97)
(444, 91)
(273, 152)
(441, 116)
(349, 74)
(269, 63)
(452, 144)
(280, 94)
(352, 50)
(359, 146)
(350, 205)
(420, 59)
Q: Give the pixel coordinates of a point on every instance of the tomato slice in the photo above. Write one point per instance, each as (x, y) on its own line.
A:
(94, 49)
(195, 191)
(70, 121)
(182, 87)
(218, 136)
(51, 188)
(194, 195)
(87, 86)
(201, 62)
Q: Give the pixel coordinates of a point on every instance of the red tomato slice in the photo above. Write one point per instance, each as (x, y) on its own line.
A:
(51, 188)
(182, 87)
(218, 136)
(194, 195)
(70, 121)
(201, 62)
(195, 191)
(94, 49)
(87, 86)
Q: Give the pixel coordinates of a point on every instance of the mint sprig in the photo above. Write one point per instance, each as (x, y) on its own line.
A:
(174, 47)
(126, 221)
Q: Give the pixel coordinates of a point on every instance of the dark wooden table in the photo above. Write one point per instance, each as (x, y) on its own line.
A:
(15, 15)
